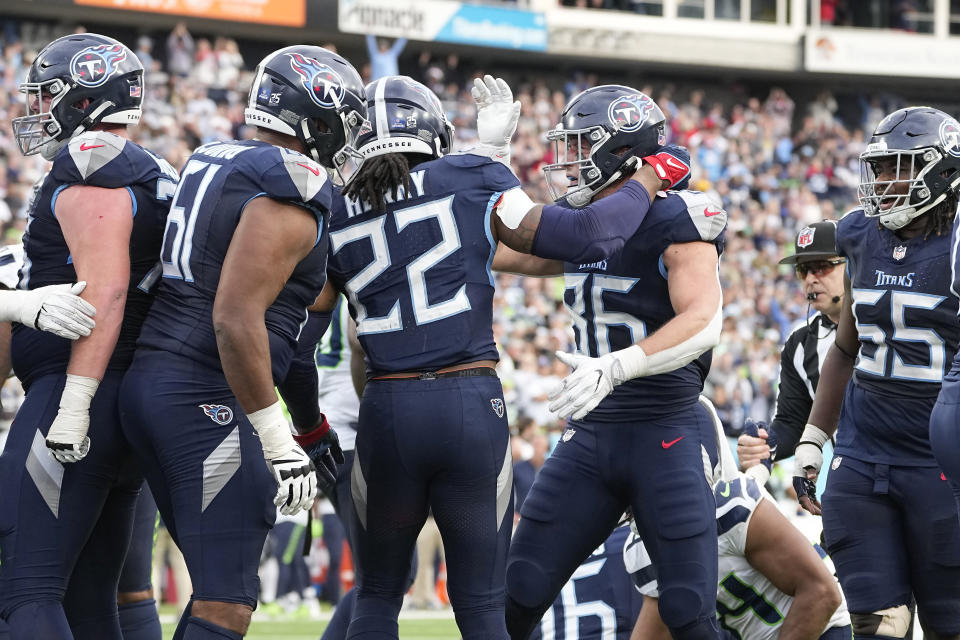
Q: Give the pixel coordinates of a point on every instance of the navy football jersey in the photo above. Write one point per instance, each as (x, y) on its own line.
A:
(97, 159)
(217, 182)
(617, 302)
(418, 277)
(906, 320)
(599, 602)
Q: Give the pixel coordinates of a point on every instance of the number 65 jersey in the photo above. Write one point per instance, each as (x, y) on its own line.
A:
(906, 320)
(216, 184)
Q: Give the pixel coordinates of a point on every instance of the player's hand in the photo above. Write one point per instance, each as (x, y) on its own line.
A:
(808, 459)
(296, 481)
(497, 115)
(752, 447)
(322, 445)
(591, 380)
(58, 309)
(67, 438)
(672, 164)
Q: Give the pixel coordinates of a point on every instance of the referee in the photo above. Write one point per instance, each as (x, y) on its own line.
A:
(821, 273)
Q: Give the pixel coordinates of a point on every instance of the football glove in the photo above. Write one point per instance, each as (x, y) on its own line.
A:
(591, 380)
(497, 117)
(808, 459)
(323, 447)
(67, 438)
(56, 309)
(296, 481)
(672, 163)
(760, 471)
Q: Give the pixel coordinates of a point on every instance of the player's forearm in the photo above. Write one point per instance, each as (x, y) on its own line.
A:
(835, 373)
(508, 260)
(813, 606)
(686, 336)
(245, 357)
(90, 355)
(300, 388)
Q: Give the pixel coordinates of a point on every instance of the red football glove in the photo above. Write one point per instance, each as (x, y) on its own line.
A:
(672, 163)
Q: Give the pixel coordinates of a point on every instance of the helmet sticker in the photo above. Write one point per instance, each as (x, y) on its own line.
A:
(323, 84)
(91, 67)
(950, 136)
(629, 112)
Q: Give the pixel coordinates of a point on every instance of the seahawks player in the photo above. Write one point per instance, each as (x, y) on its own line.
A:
(244, 255)
(760, 596)
(98, 216)
(645, 319)
(412, 241)
(889, 518)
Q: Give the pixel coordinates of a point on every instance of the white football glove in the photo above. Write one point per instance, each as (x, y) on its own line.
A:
(67, 439)
(294, 471)
(55, 308)
(497, 116)
(591, 380)
(296, 479)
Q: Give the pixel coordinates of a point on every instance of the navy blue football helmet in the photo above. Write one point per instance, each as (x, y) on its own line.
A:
(406, 117)
(600, 129)
(299, 87)
(917, 151)
(75, 83)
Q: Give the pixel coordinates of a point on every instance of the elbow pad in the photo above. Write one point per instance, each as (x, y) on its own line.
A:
(636, 363)
(594, 233)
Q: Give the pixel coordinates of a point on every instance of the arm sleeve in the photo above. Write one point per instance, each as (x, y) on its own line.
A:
(793, 403)
(371, 46)
(398, 46)
(300, 388)
(594, 232)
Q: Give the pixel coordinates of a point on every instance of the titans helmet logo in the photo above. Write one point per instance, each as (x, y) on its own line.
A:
(628, 113)
(950, 136)
(324, 85)
(91, 67)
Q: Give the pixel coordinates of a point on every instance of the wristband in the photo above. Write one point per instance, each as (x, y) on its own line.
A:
(814, 435)
(307, 439)
(78, 392)
(271, 425)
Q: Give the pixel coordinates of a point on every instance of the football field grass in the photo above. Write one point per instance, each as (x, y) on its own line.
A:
(433, 627)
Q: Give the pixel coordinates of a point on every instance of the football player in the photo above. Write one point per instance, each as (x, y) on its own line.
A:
(98, 217)
(244, 255)
(773, 582)
(889, 518)
(412, 240)
(645, 319)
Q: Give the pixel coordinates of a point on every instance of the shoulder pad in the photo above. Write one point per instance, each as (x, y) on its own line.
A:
(92, 150)
(705, 212)
(293, 169)
(736, 501)
(11, 259)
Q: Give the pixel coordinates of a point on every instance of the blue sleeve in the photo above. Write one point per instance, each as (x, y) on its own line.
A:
(398, 46)
(300, 388)
(371, 46)
(595, 232)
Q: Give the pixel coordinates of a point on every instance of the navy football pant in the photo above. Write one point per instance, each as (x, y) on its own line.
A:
(139, 619)
(293, 576)
(891, 531)
(53, 515)
(205, 467)
(440, 445)
(945, 435)
(333, 537)
(597, 471)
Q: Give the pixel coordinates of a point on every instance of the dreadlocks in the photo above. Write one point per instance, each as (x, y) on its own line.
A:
(940, 218)
(381, 175)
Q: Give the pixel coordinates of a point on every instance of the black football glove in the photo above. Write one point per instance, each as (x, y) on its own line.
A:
(323, 448)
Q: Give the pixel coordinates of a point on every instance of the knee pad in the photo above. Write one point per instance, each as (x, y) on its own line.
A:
(892, 623)
(527, 584)
(682, 606)
(700, 629)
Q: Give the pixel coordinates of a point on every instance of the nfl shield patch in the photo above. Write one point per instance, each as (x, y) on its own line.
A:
(497, 405)
(568, 434)
(805, 237)
(899, 252)
(836, 462)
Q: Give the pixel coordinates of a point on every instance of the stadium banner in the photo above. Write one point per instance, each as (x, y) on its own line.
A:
(285, 13)
(885, 53)
(446, 21)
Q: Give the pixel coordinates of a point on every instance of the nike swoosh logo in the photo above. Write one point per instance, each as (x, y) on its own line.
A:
(726, 491)
(673, 163)
(707, 213)
(314, 171)
(667, 445)
(86, 147)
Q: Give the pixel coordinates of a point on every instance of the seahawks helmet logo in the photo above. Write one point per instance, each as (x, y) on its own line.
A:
(628, 113)
(323, 84)
(219, 413)
(91, 67)
(950, 136)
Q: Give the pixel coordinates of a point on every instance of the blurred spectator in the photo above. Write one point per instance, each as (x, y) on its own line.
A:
(144, 51)
(180, 49)
(383, 57)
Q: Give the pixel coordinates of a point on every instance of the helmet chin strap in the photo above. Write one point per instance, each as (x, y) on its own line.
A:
(583, 197)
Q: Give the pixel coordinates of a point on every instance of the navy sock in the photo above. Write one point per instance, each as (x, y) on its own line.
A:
(200, 629)
(337, 629)
(182, 624)
(140, 621)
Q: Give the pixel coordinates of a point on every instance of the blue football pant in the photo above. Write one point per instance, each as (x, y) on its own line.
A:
(892, 531)
(945, 435)
(442, 446)
(597, 471)
(65, 524)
